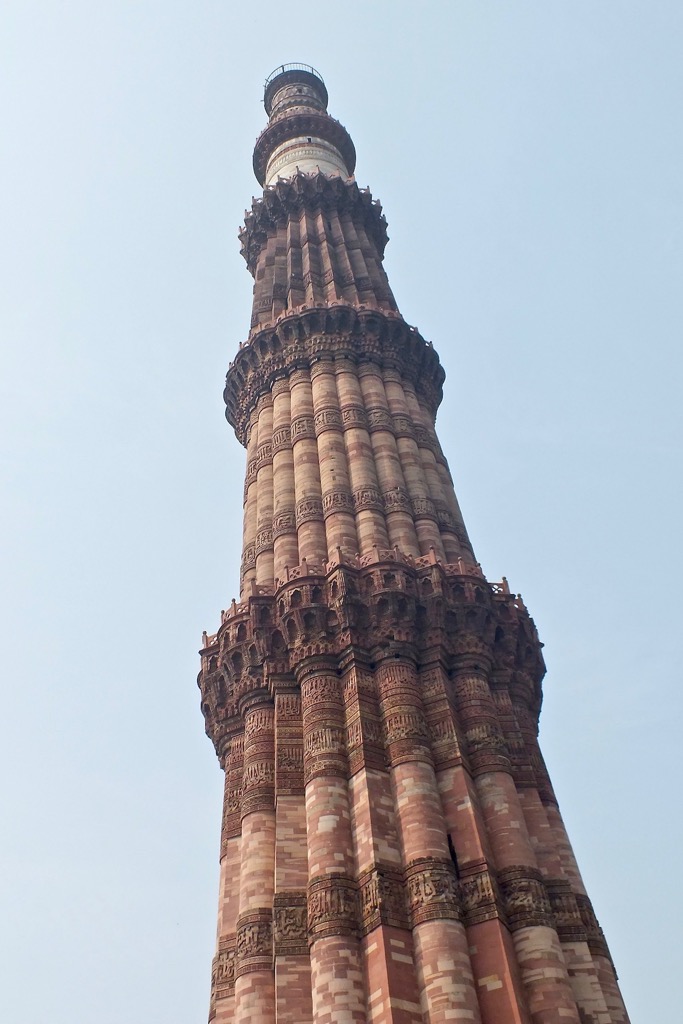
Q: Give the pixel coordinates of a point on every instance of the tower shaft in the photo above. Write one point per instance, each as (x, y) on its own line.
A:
(391, 848)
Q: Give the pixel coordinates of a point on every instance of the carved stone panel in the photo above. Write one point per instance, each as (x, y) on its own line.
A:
(337, 501)
(308, 509)
(382, 899)
(354, 416)
(480, 896)
(327, 419)
(397, 500)
(254, 942)
(432, 890)
(524, 897)
(302, 426)
(380, 419)
(332, 907)
(282, 439)
(594, 933)
(290, 926)
(222, 972)
(283, 523)
(565, 911)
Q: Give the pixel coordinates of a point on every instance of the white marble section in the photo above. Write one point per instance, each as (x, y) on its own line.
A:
(306, 154)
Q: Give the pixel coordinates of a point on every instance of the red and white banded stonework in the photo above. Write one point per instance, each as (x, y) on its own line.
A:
(391, 851)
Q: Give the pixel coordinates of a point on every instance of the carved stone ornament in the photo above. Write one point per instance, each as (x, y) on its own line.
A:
(288, 707)
(354, 416)
(432, 890)
(302, 426)
(264, 455)
(264, 541)
(258, 786)
(231, 825)
(368, 497)
(445, 744)
(254, 942)
(594, 933)
(486, 747)
(397, 500)
(403, 426)
(382, 899)
(259, 721)
(565, 910)
(290, 932)
(325, 739)
(424, 438)
(380, 419)
(327, 419)
(324, 752)
(287, 197)
(320, 689)
(524, 897)
(308, 509)
(405, 724)
(423, 508)
(444, 517)
(290, 758)
(332, 907)
(337, 501)
(479, 896)
(222, 973)
(284, 522)
(252, 469)
(282, 439)
(248, 557)
(327, 331)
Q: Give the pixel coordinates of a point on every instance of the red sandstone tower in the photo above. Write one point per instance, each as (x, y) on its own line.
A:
(391, 849)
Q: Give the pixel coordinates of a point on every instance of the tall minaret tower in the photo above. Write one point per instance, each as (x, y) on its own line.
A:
(391, 847)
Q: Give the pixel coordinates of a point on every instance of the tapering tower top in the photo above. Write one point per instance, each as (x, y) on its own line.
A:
(300, 134)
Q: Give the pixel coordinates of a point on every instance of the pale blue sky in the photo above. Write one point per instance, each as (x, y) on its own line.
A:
(529, 159)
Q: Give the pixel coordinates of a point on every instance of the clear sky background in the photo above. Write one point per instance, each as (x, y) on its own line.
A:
(529, 159)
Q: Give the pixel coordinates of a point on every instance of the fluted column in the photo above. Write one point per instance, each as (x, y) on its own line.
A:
(328, 260)
(363, 282)
(264, 493)
(450, 496)
(367, 497)
(518, 722)
(296, 291)
(223, 972)
(285, 545)
(336, 972)
(391, 850)
(292, 960)
(310, 260)
(492, 953)
(425, 448)
(447, 991)
(424, 512)
(397, 505)
(310, 524)
(387, 944)
(248, 569)
(595, 938)
(254, 980)
(346, 278)
(536, 942)
(340, 524)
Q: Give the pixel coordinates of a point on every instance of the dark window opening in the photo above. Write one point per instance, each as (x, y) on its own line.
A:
(454, 856)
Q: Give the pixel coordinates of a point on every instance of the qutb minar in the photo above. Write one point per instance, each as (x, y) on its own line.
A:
(391, 847)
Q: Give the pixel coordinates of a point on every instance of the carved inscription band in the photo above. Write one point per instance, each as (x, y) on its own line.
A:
(254, 943)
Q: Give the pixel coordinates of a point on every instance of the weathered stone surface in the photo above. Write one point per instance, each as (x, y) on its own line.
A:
(391, 848)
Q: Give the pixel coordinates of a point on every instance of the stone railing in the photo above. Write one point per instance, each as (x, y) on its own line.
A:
(376, 556)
